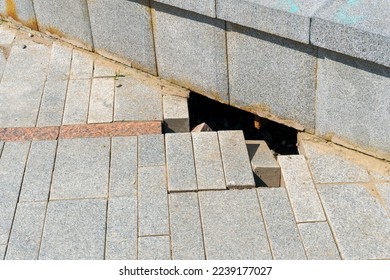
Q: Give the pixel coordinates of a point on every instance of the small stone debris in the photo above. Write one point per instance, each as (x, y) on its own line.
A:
(203, 127)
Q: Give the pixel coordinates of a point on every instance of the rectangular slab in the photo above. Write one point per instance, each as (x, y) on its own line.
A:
(60, 62)
(29, 133)
(154, 248)
(296, 177)
(232, 226)
(26, 234)
(318, 241)
(81, 169)
(151, 150)
(384, 191)
(82, 65)
(204, 7)
(235, 160)
(38, 173)
(359, 221)
(152, 201)
(77, 102)
(123, 167)
(121, 240)
(279, 221)
(186, 228)
(2, 251)
(176, 116)
(74, 230)
(208, 161)
(180, 162)
(101, 105)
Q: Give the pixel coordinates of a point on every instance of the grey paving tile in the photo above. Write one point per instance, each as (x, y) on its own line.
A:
(279, 221)
(154, 248)
(77, 101)
(53, 103)
(235, 160)
(60, 62)
(151, 149)
(105, 68)
(26, 234)
(208, 161)
(180, 162)
(7, 35)
(176, 116)
(74, 229)
(186, 228)
(81, 169)
(358, 220)
(82, 65)
(384, 190)
(205, 7)
(123, 169)
(232, 225)
(328, 166)
(137, 101)
(101, 106)
(318, 241)
(2, 251)
(122, 228)
(152, 201)
(12, 164)
(303, 195)
(3, 61)
(38, 173)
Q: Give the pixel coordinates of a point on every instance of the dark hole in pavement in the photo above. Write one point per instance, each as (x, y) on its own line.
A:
(280, 138)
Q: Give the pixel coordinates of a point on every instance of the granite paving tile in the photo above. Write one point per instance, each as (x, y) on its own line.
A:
(2, 251)
(82, 65)
(151, 150)
(60, 62)
(154, 248)
(101, 106)
(384, 191)
(7, 35)
(29, 133)
(77, 101)
(176, 116)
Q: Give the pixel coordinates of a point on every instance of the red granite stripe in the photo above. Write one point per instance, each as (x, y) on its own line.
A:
(29, 133)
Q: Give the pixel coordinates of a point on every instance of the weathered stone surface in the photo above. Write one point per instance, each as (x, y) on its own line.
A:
(21, 11)
(154, 248)
(151, 150)
(121, 240)
(360, 223)
(226, 215)
(74, 230)
(135, 100)
(67, 19)
(235, 160)
(38, 173)
(130, 35)
(318, 241)
(101, 106)
(152, 201)
(286, 18)
(194, 54)
(186, 228)
(280, 224)
(352, 101)
(356, 28)
(77, 100)
(204, 7)
(60, 62)
(208, 161)
(384, 190)
(264, 165)
(7, 34)
(12, 164)
(176, 116)
(278, 80)
(2, 251)
(180, 162)
(25, 238)
(124, 167)
(81, 169)
(82, 65)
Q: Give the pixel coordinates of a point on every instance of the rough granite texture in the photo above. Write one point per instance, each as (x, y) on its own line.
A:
(154, 248)
(101, 103)
(77, 100)
(384, 190)
(204, 7)
(151, 150)
(21, 11)
(176, 115)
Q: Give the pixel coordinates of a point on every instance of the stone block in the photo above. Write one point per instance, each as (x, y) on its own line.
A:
(186, 228)
(21, 11)
(101, 105)
(233, 228)
(301, 190)
(81, 169)
(180, 162)
(203, 127)
(356, 28)
(136, 100)
(152, 201)
(384, 191)
(280, 224)
(264, 165)
(208, 161)
(235, 160)
(204, 7)
(7, 34)
(60, 62)
(288, 19)
(38, 173)
(154, 248)
(82, 65)
(272, 76)
(25, 238)
(2, 251)
(123, 167)
(360, 223)
(352, 101)
(74, 230)
(12, 134)
(77, 101)
(176, 115)
(121, 240)
(318, 241)
(151, 150)
(123, 29)
(191, 50)
(66, 19)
